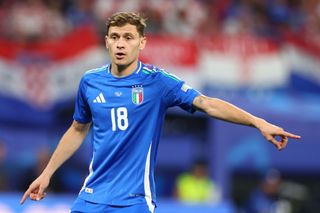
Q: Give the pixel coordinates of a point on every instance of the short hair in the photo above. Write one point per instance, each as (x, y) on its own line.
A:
(122, 18)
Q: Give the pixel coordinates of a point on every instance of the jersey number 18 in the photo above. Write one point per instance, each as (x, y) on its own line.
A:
(119, 118)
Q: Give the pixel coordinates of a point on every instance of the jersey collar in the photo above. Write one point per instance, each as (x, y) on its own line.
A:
(138, 69)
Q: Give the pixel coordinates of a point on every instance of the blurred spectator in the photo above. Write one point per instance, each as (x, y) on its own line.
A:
(41, 158)
(182, 21)
(103, 9)
(30, 173)
(79, 13)
(37, 19)
(248, 17)
(32, 20)
(266, 198)
(196, 186)
(154, 17)
(4, 167)
(312, 25)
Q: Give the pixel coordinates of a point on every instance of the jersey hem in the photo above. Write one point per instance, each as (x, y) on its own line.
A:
(83, 121)
(117, 203)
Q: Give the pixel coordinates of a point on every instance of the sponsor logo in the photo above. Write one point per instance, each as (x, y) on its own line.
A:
(99, 99)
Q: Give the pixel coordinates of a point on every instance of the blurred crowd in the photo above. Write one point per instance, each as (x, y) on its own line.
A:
(38, 19)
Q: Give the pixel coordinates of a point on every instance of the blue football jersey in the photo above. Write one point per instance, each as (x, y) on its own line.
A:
(127, 115)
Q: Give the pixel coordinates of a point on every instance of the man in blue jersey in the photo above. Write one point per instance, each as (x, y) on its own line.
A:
(125, 104)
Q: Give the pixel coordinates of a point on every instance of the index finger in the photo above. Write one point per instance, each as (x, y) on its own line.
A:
(25, 196)
(290, 135)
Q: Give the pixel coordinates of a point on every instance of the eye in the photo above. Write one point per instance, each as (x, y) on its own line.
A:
(113, 37)
(129, 37)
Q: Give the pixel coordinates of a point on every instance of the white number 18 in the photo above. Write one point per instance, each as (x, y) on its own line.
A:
(122, 118)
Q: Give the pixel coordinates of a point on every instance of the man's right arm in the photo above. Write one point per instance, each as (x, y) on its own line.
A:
(69, 143)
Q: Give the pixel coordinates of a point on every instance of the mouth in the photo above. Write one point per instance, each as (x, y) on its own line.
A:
(120, 55)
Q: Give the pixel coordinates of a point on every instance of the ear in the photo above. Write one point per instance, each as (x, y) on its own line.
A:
(143, 43)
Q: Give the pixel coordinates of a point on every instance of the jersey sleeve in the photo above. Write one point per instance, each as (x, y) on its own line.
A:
(178, 93)
(82, 112)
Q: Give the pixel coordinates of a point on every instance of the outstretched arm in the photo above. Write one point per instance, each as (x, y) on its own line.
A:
(225, 111)
(67, 146)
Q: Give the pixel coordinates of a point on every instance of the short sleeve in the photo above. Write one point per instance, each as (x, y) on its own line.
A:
(178, 93)
(82, 112)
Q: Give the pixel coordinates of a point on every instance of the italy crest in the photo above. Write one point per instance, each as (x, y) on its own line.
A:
(137, 94)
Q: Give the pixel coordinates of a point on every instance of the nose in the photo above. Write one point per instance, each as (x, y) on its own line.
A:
(120, 44)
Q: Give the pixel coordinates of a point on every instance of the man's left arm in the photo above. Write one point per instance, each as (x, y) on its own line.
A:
(223, 110)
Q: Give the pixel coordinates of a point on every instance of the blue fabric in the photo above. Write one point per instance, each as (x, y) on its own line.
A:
(127, 116)
(83, 206)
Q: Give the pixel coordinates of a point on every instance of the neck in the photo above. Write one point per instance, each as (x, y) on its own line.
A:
(123, 70)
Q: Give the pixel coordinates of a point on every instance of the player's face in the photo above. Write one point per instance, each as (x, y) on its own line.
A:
(124, 44)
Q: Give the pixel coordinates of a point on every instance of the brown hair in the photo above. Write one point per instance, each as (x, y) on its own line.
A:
(122, 18)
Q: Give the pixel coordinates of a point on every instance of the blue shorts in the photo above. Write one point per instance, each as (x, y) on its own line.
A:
(83, 206)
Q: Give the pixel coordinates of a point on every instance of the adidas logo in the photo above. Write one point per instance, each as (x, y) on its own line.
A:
(99, 99)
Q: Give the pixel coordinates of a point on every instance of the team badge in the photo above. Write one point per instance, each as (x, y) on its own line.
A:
(137, 94)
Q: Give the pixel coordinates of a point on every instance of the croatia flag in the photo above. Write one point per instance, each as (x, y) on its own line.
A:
(48, 72)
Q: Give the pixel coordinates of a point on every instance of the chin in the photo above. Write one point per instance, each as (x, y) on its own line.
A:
(120, 62)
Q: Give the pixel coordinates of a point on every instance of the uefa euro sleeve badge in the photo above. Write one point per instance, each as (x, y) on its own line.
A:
(137, 94)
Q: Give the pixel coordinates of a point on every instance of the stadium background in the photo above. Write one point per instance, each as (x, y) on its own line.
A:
(262, 55)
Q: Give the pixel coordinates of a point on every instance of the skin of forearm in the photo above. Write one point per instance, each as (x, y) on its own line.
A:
(69, 143)
(223, 110)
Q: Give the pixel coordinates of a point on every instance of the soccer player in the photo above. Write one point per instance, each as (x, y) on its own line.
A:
(125, 104)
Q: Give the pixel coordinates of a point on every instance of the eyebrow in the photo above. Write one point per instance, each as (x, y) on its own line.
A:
(114, 34)
(125, 34)
(128, 34)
